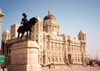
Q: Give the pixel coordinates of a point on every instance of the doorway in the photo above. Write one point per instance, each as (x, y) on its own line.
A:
(69, 58)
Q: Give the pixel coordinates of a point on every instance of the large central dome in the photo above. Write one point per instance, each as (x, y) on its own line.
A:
(49, 16)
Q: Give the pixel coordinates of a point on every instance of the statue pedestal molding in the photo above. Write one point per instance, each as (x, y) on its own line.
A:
(24, 57)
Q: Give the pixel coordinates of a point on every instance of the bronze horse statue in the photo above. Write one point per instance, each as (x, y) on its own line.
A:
(26, 27)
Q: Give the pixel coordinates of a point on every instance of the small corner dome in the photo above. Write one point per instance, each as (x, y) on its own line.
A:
(81, 32)
(6, 32)
(38, 18)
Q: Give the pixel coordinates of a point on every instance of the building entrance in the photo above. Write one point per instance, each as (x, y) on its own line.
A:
(69, 58)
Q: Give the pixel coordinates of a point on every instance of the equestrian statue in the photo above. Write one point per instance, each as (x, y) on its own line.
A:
(26, 26)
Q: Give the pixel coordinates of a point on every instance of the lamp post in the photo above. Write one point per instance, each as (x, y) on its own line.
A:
(96, 55)
(89, 59)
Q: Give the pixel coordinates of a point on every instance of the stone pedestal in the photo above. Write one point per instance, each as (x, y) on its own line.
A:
(24, 57)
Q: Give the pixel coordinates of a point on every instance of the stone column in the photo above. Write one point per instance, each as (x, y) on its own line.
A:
(24, 57)
(1, 17)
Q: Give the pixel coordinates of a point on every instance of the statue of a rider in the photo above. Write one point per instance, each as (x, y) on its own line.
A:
(24, 20)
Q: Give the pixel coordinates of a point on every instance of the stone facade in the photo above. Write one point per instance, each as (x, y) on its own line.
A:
(54, 48)
(13, 30)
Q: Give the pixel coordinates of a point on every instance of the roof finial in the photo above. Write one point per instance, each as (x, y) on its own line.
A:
(49, 12)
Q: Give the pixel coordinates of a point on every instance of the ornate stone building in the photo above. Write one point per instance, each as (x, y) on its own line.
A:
(53, 47)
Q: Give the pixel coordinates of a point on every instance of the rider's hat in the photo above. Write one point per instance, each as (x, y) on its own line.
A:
(24, 14)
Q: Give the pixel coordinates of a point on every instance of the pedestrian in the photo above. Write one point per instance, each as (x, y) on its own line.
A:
(49, 66)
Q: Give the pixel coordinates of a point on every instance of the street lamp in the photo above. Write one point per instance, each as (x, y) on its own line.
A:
(89, 59)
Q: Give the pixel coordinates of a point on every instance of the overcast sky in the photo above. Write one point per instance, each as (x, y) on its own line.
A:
(72, 16)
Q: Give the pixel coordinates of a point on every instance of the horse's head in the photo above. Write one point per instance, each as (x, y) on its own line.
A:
(33, 20)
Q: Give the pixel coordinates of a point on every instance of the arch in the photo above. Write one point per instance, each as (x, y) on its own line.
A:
(56, 60)
(48, 60)
(60, 60)
(76, 60)
(52, 61)
(80, 60)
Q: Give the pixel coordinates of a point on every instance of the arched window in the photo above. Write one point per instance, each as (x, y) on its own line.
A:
(52, 60)
(48, 60)
(75, 60)
(56, 60)
(60, 60)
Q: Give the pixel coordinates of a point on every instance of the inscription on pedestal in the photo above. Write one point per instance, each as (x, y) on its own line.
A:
(33, 51)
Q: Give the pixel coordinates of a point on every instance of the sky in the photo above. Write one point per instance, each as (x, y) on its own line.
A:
(72, 16)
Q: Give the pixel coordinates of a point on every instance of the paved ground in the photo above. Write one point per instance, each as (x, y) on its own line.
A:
(75, 69)
(2, 70)
(71, 69)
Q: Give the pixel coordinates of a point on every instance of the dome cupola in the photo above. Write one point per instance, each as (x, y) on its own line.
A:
(49, 16)
(81, 32)
(6, 35)
(81, 35)
(6, 31)
(50, 24)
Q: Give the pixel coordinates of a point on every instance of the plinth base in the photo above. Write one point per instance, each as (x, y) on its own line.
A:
(24, 57)
(33, 67)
